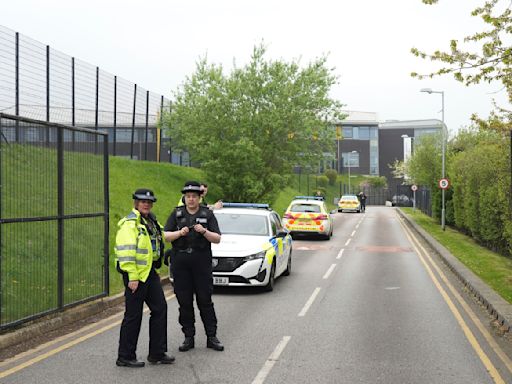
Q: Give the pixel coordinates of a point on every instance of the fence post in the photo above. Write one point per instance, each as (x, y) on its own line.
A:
(73, 106)
(96, 112)
(1, 242)
(60, 220)
(147, 123)
(159, 130)
(17, 95)
(114, 140)
(106, 244)
(47, 93)
(133, 119)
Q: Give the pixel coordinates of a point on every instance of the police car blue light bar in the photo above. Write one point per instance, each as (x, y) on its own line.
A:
(321, 198)
(245, 205)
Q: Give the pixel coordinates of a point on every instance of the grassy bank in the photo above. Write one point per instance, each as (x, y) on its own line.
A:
(494, 269)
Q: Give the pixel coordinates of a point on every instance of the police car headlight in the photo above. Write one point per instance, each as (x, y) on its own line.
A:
(256, 256)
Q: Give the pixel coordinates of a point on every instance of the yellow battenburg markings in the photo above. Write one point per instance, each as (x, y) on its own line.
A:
(493, 372)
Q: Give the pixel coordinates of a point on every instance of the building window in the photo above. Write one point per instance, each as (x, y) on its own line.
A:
(364, 133)
(350, 159)
(347, 132)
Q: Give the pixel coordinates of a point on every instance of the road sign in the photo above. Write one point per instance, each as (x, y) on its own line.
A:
(414, 187)
(443, 183)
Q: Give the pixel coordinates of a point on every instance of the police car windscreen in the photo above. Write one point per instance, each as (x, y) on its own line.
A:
(240, 224)
(306, 208)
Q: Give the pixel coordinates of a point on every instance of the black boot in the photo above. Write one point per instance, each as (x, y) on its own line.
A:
(163, 359)
(188, 343)
(214, 343)
(121, 362)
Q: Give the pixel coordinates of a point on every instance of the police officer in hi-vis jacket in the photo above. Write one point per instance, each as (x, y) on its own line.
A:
(139, 250)
(192, 228)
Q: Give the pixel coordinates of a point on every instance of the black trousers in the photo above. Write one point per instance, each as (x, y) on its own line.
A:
(192, 274)
(152, 294)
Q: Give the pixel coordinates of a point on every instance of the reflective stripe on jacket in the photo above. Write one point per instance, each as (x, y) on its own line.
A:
(134, 251)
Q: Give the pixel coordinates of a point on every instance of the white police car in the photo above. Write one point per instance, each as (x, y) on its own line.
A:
(254, 248)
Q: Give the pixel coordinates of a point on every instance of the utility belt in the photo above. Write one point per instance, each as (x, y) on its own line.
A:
(190, 250)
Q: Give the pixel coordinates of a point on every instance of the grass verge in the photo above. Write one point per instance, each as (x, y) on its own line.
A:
(494, 269)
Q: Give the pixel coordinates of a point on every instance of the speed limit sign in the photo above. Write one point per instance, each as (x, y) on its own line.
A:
(444, 183)
(414, 187)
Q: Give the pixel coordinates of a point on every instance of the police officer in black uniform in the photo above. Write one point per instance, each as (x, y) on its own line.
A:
(191, 229)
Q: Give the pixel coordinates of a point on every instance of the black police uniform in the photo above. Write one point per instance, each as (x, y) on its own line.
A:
(191, 266)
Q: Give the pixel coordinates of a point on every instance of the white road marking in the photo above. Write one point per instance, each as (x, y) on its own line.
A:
(329, 271)
(309, 302)
(267, 367)
(340, 253)
(391, 288)
(348, 242)
(353, 233)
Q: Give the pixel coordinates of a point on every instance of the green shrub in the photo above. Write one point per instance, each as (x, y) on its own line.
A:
(332, 175)
(322, 181)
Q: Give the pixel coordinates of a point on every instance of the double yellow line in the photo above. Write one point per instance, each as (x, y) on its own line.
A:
(111, 322)
(493, 372)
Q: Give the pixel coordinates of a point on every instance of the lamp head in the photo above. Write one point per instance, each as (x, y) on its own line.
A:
(427, 90)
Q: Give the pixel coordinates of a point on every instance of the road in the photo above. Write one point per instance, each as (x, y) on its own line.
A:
(369, 306)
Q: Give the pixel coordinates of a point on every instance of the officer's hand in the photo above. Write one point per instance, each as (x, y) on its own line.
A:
(133, 285)
(184, 231)
(217, 205)
(199, 229)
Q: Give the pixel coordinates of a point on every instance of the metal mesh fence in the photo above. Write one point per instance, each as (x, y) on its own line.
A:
(39, 82)
(53, 217)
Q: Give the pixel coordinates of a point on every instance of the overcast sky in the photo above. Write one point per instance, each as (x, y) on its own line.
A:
(156, 44)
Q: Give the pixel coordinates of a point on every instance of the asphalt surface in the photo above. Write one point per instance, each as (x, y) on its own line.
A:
(366, 306)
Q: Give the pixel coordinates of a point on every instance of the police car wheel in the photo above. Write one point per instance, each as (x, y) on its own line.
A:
(270, 285)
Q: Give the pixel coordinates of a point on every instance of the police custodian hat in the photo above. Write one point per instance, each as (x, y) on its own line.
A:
(192, 186)
(144, 194)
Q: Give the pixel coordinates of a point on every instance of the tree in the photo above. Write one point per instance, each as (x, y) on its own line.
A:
(249, 128)
(493, 63)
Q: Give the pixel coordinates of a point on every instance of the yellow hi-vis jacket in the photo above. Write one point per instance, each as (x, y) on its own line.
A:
(134, 251)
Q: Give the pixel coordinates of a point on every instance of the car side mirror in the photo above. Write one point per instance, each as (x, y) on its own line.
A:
(282, 234)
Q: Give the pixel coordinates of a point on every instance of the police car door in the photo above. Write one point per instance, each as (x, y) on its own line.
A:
(282, 245)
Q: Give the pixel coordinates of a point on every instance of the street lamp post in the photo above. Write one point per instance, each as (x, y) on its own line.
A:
(443, 150)
(349, 160)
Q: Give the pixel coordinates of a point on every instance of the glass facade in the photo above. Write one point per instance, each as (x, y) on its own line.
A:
(350, 158)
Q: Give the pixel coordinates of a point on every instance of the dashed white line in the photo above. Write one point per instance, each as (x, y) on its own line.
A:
(347, 242)
(340, 253)
(309, 302)
(329, 271)
(353, 233)
(274, 356)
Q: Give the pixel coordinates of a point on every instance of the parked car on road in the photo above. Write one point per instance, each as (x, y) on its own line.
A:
(349, 203)
(308, 215)
(401, 201)
(254, 249)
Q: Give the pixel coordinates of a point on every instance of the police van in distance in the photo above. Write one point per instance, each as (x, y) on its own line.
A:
(254, 249)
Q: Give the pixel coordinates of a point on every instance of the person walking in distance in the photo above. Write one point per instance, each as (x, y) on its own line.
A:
(191, 229)
(362, 200)
(139, 251)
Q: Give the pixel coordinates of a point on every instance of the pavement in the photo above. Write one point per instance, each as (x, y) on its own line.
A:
(500, 309)
(497, 307)
(52, 322)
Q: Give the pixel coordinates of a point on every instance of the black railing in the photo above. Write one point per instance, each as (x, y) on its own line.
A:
(53, 217)
(39, 82)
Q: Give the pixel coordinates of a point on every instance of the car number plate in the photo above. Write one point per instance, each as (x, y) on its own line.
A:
(220, 280)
